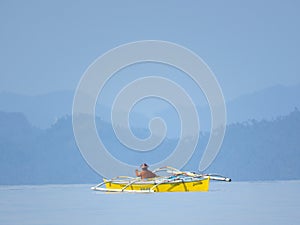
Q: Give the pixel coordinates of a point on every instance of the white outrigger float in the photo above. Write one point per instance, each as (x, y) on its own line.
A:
(174, 181)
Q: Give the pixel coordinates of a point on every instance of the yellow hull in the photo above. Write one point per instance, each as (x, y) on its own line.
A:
(151, 186)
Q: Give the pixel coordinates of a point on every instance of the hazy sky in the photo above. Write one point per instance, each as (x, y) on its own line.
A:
(46, 46)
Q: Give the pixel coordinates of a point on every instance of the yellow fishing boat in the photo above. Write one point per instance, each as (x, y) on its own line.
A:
(176, 181)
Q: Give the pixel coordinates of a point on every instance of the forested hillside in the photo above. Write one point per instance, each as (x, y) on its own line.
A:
(253, 150)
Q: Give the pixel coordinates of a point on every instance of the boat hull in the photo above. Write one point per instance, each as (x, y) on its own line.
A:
(153, 186)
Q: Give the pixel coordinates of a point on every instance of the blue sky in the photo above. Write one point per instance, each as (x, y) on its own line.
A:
(47, 45)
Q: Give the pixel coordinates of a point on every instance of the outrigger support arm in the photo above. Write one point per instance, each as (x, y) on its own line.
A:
(192, 174)
(130, 183)
(109, 181)
(211, 176)
(99, 185)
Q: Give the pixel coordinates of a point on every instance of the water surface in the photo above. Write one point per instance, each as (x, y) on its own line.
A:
(240, 203)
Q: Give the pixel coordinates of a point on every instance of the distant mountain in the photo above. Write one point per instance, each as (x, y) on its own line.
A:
(34, 156)
(253, 150)
(37, 143)
(265, 104)
(259, 150)
(43, 110)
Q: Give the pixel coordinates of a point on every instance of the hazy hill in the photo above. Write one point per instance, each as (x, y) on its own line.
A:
(43, 110)
(260, 150)
(265, 104)
(254, 150)
(40, 110)
(33, 156)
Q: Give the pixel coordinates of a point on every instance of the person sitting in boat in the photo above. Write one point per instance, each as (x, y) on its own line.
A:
(145, 173)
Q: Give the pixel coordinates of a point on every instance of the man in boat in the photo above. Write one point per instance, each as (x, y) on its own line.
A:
(145, 173)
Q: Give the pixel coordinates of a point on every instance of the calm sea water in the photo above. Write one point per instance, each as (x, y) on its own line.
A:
(233, 203)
